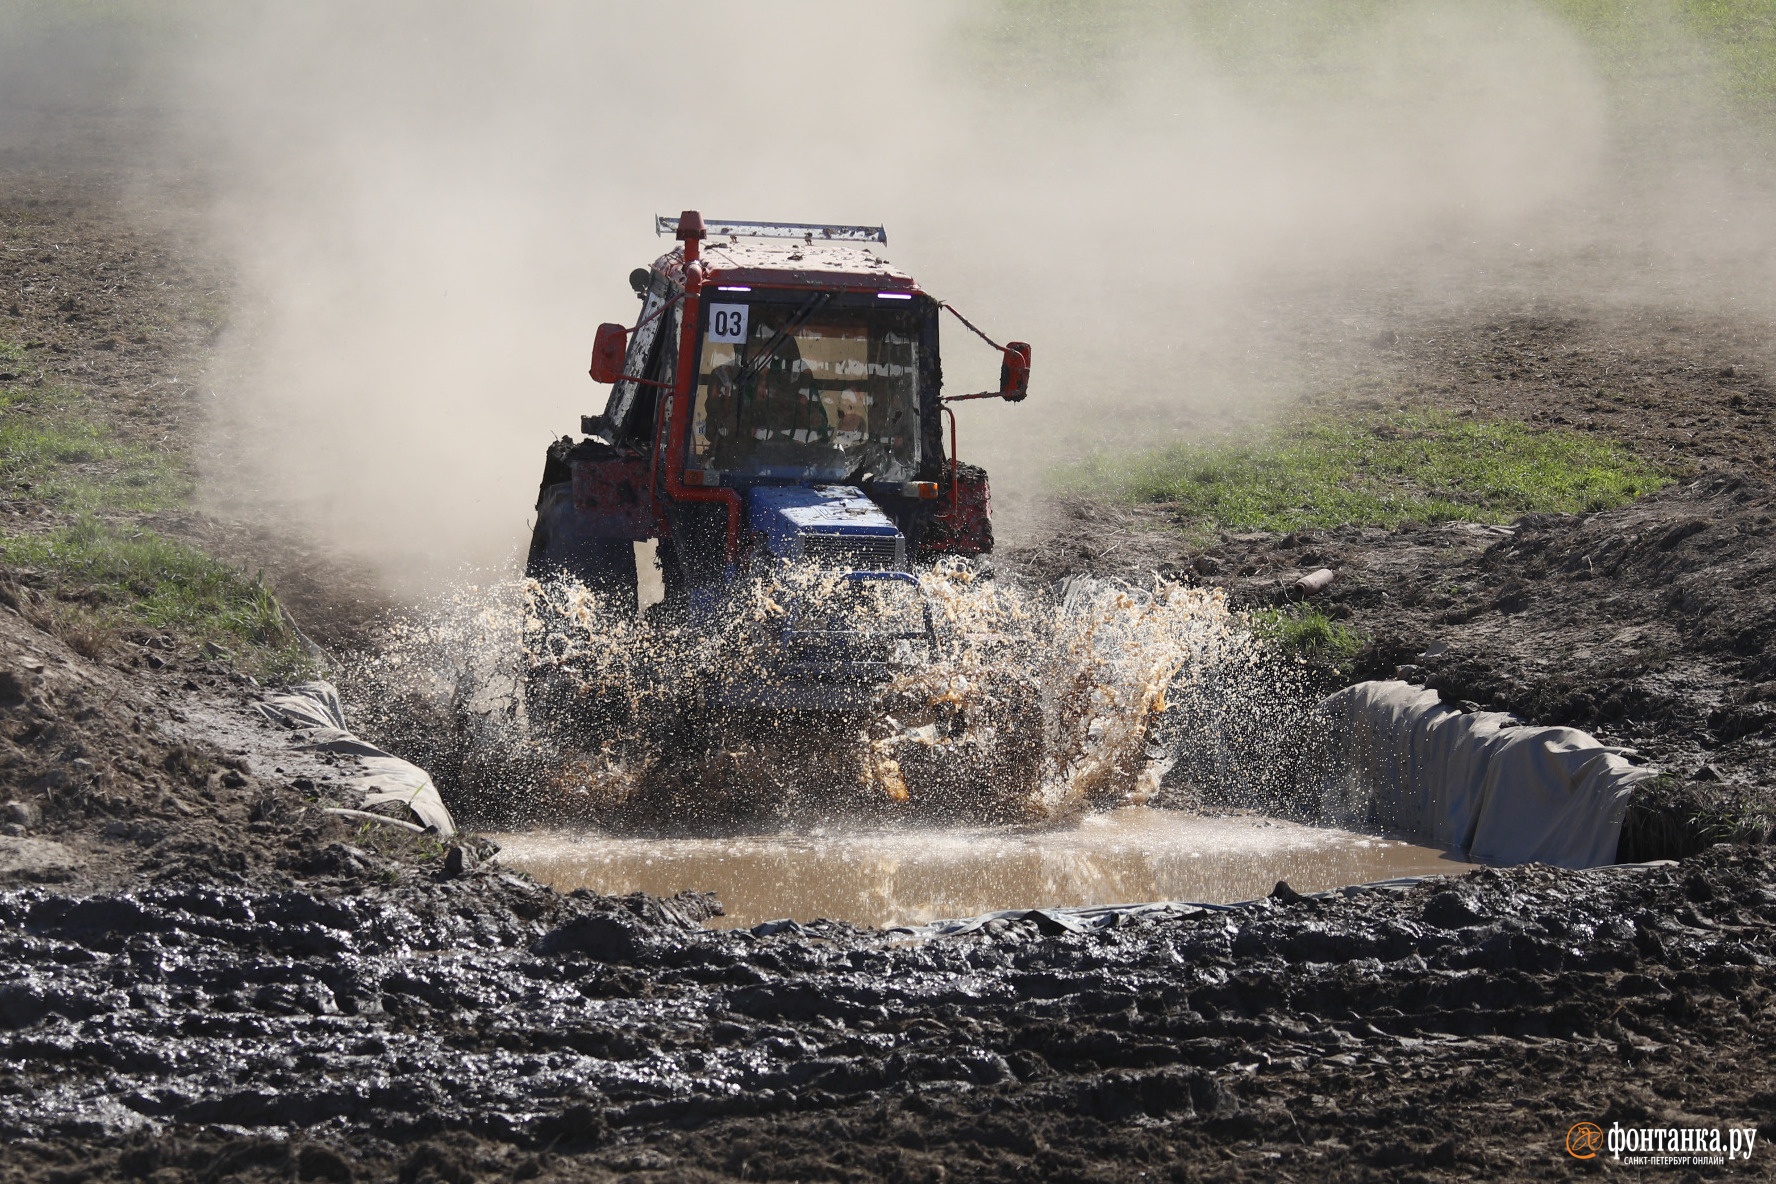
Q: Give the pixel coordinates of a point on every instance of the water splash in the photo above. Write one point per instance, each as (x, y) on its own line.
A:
(535, 702)
(1043, 703)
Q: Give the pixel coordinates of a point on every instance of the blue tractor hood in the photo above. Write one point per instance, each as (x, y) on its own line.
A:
(833, 525)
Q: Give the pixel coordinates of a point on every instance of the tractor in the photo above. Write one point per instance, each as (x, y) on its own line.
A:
(778, 402)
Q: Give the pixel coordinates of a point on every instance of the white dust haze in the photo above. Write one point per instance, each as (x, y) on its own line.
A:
(431, 205)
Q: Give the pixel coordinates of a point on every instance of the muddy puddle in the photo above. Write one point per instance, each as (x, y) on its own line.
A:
(885, 877)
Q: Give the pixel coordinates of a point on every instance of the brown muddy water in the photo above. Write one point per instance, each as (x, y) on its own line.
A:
(909, 876)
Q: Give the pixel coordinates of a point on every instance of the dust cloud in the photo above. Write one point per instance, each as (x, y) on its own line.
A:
(1189, 210)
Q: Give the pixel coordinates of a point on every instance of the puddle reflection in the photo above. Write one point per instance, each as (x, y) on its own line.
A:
(884, 877)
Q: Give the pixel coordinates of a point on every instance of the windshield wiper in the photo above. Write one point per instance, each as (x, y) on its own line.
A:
(814, 304)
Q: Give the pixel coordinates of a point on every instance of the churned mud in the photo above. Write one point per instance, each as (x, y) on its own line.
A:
(205, 977)
(489, 1028)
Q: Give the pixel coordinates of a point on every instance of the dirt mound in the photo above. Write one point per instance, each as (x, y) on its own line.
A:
(1651, 625)
(149, 764)
(87, 766)
(1696, 558)
(1645, 621)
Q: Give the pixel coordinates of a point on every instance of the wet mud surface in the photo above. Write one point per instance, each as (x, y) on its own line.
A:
(202, 978)
(485, 1027)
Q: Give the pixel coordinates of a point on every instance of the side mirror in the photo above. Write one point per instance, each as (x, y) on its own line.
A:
(1014, 372)
(609, 349)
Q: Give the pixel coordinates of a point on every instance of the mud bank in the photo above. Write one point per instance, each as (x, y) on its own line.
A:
(484, 1026)
(1649, 626)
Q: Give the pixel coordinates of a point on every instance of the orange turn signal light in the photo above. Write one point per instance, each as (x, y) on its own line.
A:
(924, 490)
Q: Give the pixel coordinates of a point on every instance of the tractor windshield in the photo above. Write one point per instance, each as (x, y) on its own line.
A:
(808, 388)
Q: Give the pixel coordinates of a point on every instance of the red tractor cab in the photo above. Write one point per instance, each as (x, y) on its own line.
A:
(778, 397)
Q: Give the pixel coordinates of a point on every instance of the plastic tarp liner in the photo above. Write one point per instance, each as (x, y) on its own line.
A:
(381, 777)
(1482, 782)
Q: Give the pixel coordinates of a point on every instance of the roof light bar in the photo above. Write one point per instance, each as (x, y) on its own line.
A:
(894, 295)
(739, 228)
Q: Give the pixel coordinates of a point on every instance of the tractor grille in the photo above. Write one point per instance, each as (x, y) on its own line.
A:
(857, 552)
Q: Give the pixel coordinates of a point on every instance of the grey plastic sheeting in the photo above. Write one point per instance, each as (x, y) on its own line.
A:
(381, 777)
(1482, 783)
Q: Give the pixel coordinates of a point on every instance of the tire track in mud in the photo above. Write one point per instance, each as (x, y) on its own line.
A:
(1450, 1026)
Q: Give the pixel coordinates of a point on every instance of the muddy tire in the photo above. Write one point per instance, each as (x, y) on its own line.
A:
(560, 548)
(557, 700)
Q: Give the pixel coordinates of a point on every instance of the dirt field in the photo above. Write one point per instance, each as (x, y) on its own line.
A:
(1651, 626)
(202, 978)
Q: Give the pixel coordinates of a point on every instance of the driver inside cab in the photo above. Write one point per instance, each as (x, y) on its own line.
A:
(775, 416)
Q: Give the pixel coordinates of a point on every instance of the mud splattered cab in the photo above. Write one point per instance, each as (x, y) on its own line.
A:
(778, 399)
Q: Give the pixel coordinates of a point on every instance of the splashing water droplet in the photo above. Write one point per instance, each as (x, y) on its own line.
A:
(537, 702)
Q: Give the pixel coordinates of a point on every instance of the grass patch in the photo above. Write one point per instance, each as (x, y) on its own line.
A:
(11, 353)
(126, 576)
(104, 575)
(1669, 818)
(1680, 50)
(1302, 632)
(50, 453)
(1378, 471)
(1743, 32)
(1663, 50)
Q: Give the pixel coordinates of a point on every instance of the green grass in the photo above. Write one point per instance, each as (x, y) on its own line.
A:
(133, 576)
(51, 453)
(1375, 471)
(105, 574)
(1743, 33)
(1730, 44)
(1307, 633)
(1643, 48)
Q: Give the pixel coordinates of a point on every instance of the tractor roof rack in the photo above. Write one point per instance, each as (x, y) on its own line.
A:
(823, 231)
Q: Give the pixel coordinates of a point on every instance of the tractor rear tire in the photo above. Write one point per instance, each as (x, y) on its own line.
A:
(560, 547)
